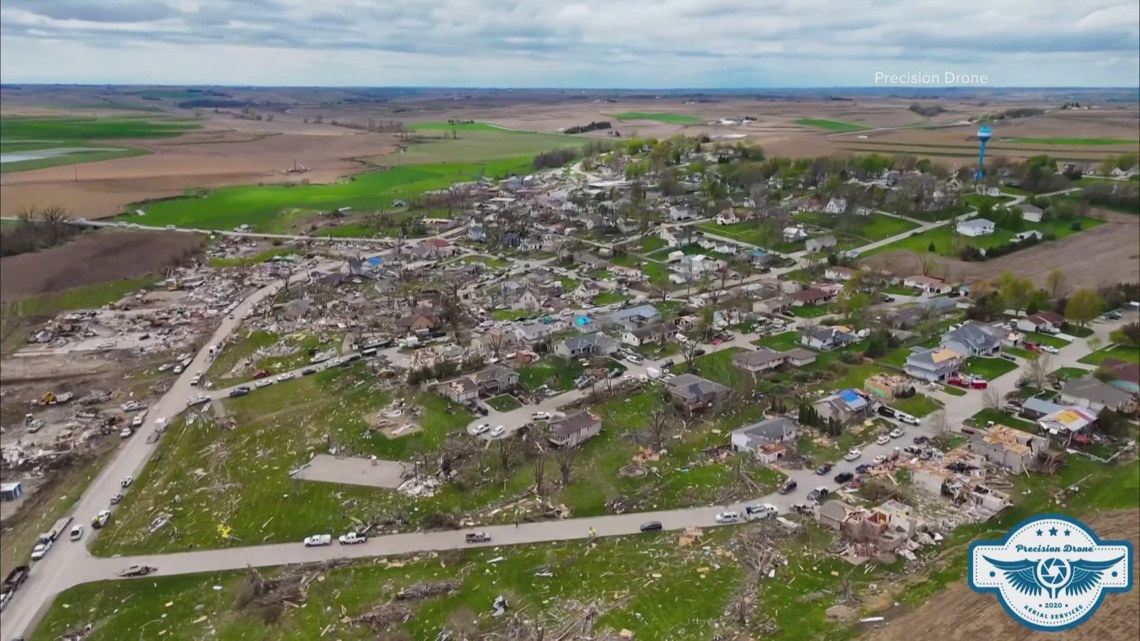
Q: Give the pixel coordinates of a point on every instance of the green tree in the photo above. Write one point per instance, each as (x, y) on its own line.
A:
(1015, 292)
(1127, 335)
(1055, 282)
(1083, 306)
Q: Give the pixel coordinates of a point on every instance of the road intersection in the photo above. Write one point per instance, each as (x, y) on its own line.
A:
(71, 564)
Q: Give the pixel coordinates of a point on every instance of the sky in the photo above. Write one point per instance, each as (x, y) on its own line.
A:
(635, 44)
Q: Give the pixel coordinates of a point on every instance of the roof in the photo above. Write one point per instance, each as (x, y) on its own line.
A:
(974, 335)
(1072, 419)
(587, 340)
(926, 280)
(494, 373)
(437, 242)
(1091, 389)
(1122, 370)
(1041, 406)
(573, 423)
(824, 240)
(799, 353)
(976, 223)
(760, 357)
(641, 311)
(853, 399)
(809, 294)
(772, 429)
(690, 386)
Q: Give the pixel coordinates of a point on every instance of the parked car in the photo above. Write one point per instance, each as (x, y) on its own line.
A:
(651, 526)
(126, 482)
(788, 487)
(667, 364)
(115, 500)
(308, 370)
(498, 431)
(137, 570)
(897, 432)
(1049, 349)
(863, 469)
(824, 469)
(480, 428)
(883, 439)
(76, 533)
(920, 440)
(239, 391)
(755, 512)
(879, 460)
(728, 517)
(852, 454)
(101, 519)
(41, 549)
(318, 540)
(265, 382)
(540, 416)
(819, 494)
(843, 477)
(260, 374)
(352, 538)
(477, 537)
(699, 352)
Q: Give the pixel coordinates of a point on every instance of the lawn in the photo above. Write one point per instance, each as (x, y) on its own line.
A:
(491, 262)
(1128, 353)
(504, 403)
(836, 126)
(660, 116)
(1046, 339)
(747, 232)
(876, 227)
(982, 418)
(990, 368)
(598, 572)
(945, 240)
(651, 244)
(86, 297)
(1076, 141)
(780, 342)
(237, 350)
(918, 405)
(609, 298)
(1066, 373)
(241, 474)
(557, 372)
(812, 311)
(31, 134)
(1022, 353)
(256, 205)
(448, 126)
(717, 366)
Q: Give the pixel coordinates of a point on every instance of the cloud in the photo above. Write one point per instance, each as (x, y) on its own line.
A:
(581, 43)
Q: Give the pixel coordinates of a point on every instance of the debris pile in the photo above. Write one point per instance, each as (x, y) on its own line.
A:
(272, 596)
(761, 561)
(386, 616)
(427, 590)
(574, 620)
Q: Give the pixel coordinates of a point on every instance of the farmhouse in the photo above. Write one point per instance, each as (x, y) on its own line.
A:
(680, 213)
(975, 227)
(836, 206)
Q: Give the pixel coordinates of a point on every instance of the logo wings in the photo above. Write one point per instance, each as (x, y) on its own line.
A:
(1086, 574)
(1022, 575)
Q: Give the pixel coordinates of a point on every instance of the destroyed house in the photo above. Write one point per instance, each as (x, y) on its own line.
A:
(1008, 447)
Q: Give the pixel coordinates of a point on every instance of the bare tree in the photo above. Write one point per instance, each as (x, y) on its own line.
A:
(938, 422)
(990, 398)
(1038, 370)
(565, 457)
(538, 465)
(928, 263)
(659, 423)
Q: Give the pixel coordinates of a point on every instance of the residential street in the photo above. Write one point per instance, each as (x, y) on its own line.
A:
(70, 564)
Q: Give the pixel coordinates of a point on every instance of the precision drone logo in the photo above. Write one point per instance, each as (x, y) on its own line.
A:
(1051, 572)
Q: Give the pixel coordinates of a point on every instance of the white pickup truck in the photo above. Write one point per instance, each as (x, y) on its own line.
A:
(318, 540)
(352, 538)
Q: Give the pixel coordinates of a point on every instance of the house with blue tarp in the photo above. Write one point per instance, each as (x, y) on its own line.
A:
(843, 406)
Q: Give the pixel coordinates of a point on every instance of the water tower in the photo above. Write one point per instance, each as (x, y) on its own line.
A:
(984, 135)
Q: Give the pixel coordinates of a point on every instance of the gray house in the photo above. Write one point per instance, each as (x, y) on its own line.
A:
(974, 339)
(594, 344)
(933, 365)
(696, 392)
(495, 379)
(827, 338)
(574, 429)
(635, 316)
(823, 243)
(1095, 395)
(910, 316)
(772, 430)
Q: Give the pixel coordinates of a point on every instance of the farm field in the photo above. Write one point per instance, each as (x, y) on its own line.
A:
(835, 126)
(37, 143)
(659, 116)
(1076, 141)
(477, 143)
(92, 258)
(258, 206)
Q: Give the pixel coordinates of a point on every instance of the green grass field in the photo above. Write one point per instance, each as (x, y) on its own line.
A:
(747, 232)
(70, 130)
(660, 116)
(476, 143)
(836, 126)
(945, 239)
(877, 227)
(86, 297)
(447, 126)
(24, 134)
(990, 368)
(258, 206)
(1075, 141)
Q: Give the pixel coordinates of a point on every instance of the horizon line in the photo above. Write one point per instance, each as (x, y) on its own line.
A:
(895, 88)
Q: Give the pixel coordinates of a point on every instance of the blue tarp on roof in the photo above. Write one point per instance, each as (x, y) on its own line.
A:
(852, 398)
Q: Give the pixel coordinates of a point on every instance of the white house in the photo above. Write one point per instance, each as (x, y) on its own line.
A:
(793, 234)
(836, 206)
(975, 227)
(666, 234)
(839, 273)
(1031, 214)
(727, 217)
(680, 213)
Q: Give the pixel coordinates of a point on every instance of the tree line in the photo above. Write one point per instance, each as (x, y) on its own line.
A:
(37, 229)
